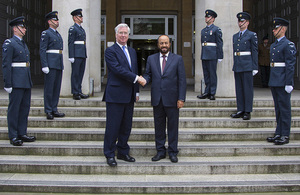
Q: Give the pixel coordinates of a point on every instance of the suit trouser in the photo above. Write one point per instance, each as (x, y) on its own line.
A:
(210, 76)
(244, 90)
(78, 68)
(52, 87)
(18, 111)
(161, 115)
(282, 102)
(118, 128)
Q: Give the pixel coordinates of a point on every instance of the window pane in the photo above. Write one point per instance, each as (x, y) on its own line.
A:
(149, 26)
(171, 26)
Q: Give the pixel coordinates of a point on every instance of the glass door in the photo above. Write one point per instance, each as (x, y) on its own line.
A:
(144, 31)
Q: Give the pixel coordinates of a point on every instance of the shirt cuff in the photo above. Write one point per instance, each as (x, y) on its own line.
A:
(137, 94)
(136, 78)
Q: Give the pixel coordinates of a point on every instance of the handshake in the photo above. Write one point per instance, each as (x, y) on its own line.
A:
(142, 81)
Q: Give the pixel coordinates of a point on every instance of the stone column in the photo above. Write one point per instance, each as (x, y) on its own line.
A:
(91, 24)
(227, 21)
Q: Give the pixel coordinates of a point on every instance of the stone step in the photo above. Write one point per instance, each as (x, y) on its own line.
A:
(147, 134)
(133, 184)
(147, 148)
(144, 165)
(97, 102)
(148, 122)
(148, 112)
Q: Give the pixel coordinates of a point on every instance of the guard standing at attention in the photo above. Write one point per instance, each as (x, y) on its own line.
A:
(77, 54)
(211, 54)
(51, 46)
(282, 62)
(17, 82)
(245, 51)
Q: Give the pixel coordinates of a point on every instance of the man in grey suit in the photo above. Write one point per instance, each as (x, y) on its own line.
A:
(245, 51)
(168, 90)
(211, 54)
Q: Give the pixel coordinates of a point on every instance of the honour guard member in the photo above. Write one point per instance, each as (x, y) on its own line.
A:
(211, 54)
(282, 62)
(51, 46)
(77, 54)
(17, 82)
(245, 51)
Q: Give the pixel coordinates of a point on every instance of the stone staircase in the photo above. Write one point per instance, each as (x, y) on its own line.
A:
(217, 154)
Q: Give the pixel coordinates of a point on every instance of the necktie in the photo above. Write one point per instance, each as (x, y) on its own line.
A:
(124, 50)
(240, 34)
(163, 63)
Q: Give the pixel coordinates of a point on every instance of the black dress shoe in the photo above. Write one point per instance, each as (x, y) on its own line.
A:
(173, 158)
(111, 162)
(16, 142)
(239, 114)
(282, 140)
(158, 157)
(272, 139)
(84, 96)
(212, 97)
(247, 116)
(26, 138)
(76, 97)
(49, 116)
(203, 96)
(58, 114)
(126, 158)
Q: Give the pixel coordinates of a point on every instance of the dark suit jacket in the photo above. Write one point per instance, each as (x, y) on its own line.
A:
(120, 87)
(51, 40)
(171, 86)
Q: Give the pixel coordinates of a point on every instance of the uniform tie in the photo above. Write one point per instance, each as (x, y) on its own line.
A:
(124, 50)
(240, 34)
(163, 63)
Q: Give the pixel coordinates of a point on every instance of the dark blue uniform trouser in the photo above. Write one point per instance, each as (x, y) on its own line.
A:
(244, 91)
(78, 68)
(282, 102)
(118, 128)
(161, 114)
(210, 75)
(18, 111)
(52, 87)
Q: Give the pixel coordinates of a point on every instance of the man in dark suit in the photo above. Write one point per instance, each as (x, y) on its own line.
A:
(77, 54)
(283, 59)
(120, 94)
(17, 82)
(211, 54)
(168, 90)
(245, 51)
(51, 46)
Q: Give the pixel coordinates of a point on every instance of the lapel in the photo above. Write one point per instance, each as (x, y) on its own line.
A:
(169, 60)
(244, 34)
(280, 42)
(120, 52)
(18, 41)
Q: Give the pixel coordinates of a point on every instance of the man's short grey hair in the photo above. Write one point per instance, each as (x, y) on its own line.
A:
(122, 25)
